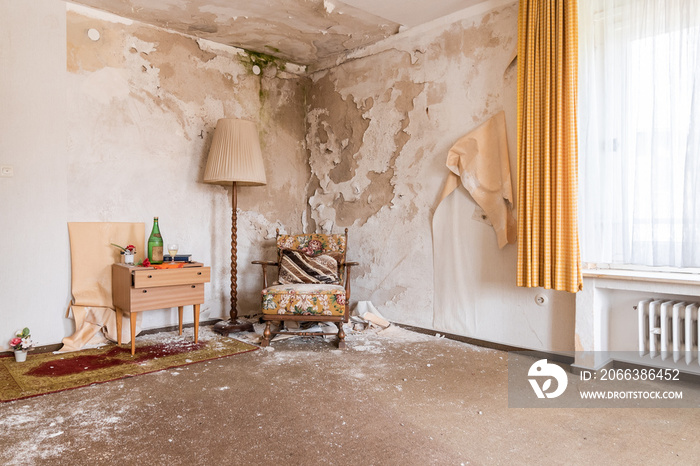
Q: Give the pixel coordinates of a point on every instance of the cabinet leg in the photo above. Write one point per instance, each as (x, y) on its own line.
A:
(179, 321)
(132, 322)
(120, 316)
(196, 323)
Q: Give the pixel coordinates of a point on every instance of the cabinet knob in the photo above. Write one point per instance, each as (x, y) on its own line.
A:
(199, 273)
(194, 286)
(145, 291)
(150, 276)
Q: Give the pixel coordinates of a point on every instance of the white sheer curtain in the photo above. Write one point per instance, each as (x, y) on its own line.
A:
(639, 103)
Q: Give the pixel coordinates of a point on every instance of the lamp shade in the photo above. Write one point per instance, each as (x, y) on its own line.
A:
(235, 154)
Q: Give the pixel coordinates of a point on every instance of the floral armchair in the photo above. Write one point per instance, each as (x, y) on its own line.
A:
(313, 284)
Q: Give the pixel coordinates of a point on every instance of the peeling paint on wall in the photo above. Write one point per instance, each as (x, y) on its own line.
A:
(361, 144)
(379, 128)
(144, 103)
(339, 127)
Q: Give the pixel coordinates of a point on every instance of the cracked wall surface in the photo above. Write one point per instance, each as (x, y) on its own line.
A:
(143, 105)
(379, 129)
(127, 120)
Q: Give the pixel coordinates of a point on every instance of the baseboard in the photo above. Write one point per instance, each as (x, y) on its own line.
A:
(557, 357)
(682, 376)
(577, 369)
(37, 349)
(169, 328)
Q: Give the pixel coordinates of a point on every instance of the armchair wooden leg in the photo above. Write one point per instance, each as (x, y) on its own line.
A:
(266, 335)
(341, 335)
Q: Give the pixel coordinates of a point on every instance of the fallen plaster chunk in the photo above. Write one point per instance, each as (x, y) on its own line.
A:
(280, 337)
(368, 312)
(375, 319)
(357, 323)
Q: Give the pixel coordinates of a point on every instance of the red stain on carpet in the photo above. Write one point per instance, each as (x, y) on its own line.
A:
(68, 365)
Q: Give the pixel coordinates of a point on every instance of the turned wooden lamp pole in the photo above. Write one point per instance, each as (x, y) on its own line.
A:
(235, 159)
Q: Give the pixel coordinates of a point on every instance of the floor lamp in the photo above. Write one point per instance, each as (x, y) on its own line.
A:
(234, 158)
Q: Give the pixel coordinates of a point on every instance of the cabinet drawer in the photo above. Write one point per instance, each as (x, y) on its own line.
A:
(143, 299)
(168, 277)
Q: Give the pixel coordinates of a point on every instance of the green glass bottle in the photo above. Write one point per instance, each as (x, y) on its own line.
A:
(155, 244)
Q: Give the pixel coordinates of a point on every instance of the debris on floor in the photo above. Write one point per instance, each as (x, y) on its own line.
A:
(364, 317)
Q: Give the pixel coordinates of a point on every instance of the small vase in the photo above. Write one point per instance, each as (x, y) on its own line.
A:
(20, 356)
(127, 258)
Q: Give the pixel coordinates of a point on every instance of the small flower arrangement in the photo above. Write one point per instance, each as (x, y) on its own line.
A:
(22, 340)
(130, 249)
(127, 254)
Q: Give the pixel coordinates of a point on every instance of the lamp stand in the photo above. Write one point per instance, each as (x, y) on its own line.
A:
(225, 327)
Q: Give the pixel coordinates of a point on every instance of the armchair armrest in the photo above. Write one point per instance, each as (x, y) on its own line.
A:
(264, 265)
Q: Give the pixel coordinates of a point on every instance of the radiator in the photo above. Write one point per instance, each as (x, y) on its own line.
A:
(669, 329)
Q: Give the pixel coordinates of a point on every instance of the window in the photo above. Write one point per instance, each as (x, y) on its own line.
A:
(639, 132)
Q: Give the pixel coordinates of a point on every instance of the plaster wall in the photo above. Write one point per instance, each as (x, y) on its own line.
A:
(34, 269)
(117, 130)
(379, 129)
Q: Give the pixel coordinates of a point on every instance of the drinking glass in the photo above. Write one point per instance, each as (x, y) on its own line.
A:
(172, 250)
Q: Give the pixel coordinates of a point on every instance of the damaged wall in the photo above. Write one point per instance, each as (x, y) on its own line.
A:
(132, 110)
(380, 127)
(117, 129)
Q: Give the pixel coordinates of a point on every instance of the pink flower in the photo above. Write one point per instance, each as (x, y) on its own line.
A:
(15, 341)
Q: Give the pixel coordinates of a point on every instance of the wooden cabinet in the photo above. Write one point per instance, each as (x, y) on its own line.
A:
(137, 289)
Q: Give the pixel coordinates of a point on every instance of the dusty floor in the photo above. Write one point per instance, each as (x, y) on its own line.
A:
(395, 397)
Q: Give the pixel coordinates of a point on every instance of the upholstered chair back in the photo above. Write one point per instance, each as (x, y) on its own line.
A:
(314, 245)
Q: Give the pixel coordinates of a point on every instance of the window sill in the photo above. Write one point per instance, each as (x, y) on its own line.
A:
(680, 278)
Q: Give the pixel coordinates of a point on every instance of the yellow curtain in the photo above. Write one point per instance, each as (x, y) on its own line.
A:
(548, 246)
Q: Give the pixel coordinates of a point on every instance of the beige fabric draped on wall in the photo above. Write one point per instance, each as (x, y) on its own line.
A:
(92, 256)
(548, 246)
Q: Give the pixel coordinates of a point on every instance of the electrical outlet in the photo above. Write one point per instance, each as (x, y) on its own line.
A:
(7, 171)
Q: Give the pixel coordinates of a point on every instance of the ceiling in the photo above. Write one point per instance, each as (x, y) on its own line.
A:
(304, 32)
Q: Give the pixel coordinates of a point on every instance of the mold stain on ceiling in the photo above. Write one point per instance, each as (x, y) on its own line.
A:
(304, 32)
(297, 31)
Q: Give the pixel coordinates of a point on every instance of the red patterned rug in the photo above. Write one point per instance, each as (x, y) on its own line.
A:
(45, 373)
